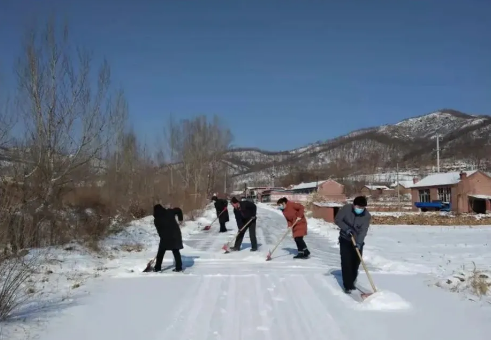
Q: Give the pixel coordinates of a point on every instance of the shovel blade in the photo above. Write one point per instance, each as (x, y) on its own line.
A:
(149, 267)
(268, 257)
(365, 295)
(208, 227)
(226, 248)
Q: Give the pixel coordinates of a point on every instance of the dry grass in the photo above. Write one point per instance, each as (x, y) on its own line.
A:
(431, 219)
(15, 273)
(132, 248)
(479, 282)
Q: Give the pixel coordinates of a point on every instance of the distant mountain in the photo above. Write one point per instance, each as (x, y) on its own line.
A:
(410, 143)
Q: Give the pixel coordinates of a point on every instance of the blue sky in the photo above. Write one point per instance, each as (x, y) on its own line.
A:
(281, 74)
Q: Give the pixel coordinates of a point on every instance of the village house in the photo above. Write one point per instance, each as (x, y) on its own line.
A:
(329, 190)
(376, 191)
(326, 211)
(466, 191)
(403, 187)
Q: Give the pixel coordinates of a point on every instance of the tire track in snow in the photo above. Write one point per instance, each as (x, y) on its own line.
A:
(318, 318)
(190, 316)
(184, 307)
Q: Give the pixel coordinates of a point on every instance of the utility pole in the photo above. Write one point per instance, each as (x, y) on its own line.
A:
(397, 183)
(437, 153)
(225, 181)
(273, 176)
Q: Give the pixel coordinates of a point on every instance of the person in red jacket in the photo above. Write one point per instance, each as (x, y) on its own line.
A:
(294, 214)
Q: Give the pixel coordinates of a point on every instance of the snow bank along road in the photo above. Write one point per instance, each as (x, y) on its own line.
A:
(241, 296)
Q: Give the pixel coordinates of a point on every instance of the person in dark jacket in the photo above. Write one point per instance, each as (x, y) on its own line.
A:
(244, 211)
(353, 220)
(170, 234)
(221, 208)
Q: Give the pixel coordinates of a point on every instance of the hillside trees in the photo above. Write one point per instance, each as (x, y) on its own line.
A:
(72, 163)
(195, 153)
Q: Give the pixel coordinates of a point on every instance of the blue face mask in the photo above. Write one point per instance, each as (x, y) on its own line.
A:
(358, 211)
(281, 207)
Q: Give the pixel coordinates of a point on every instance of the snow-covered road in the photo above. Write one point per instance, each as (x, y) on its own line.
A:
(241, 296)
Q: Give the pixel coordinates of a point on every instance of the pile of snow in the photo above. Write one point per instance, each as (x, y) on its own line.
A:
(384, 300)
(474, 284)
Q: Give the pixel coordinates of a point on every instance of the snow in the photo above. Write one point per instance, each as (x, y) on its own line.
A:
(308, 185)
(242, 296)
(446, 178)
(404, 184)
(376, 187)
(328, 204)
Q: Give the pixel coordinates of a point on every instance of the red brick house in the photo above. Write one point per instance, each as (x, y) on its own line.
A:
(326, 211)
(467, 191)
(376, 191)
(403, 187)
(329, 189)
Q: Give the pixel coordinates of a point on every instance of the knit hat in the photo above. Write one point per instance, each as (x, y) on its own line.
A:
(214, 198)
(360, 201)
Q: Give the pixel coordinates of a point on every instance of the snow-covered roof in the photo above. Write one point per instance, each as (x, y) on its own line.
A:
(309, 185)
(405, 184)
(377, 187)
(483, 197)
(439, 179)
(328, 204)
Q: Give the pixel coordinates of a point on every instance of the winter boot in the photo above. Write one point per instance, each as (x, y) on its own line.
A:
(234, 249)
(300, 255)
(177, 270)
(347, 291)
(253, 249)
(306, 253)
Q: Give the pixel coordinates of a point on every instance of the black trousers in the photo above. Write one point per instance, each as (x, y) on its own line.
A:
(350, 262)
(301, 245)
(160, 258)
(252, 236)
(223, 227)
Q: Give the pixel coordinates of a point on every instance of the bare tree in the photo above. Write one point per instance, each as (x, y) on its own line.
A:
(196, 150)
(67, 120)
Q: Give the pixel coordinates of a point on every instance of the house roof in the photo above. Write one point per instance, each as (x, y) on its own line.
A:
(328, 204)
(404, 184)
(439, 179)
(377, 187)
(309, 185)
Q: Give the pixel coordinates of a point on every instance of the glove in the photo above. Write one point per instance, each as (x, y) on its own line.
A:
(358, 245)
(298, 219)
(350, 232)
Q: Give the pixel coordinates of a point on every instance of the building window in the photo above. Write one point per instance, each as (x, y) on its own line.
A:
(444, 194)
(424, 195)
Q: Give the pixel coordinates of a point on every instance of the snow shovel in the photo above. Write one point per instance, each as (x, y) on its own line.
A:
(364, 295)
(149, 267)
(268, 257)
(226, 246)
(209, 226)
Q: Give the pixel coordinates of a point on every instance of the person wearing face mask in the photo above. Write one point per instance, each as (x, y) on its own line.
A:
(294, 214)
(353, 220)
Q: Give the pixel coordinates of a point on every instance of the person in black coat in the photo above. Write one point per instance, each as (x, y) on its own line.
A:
(170, 234)
(221, 206)
(244, 211)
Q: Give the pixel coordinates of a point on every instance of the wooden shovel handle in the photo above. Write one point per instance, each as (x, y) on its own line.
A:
(363, 264)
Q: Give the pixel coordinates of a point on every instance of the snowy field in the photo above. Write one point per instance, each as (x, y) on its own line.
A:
(241, 296)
